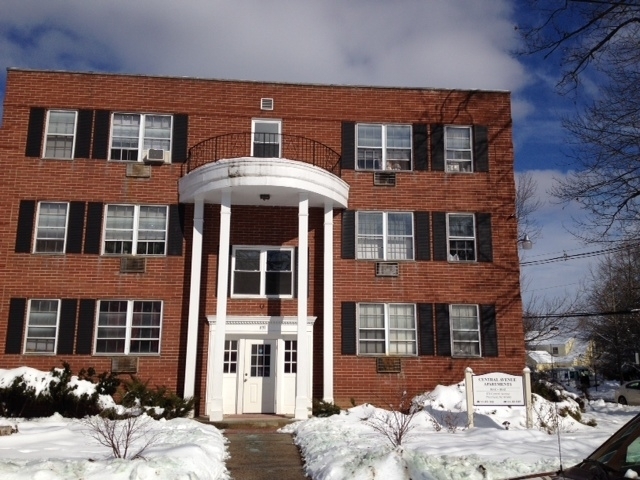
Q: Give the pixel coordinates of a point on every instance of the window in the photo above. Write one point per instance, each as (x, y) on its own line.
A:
(387, 329)
(290, 356)
(42, 326)
(230, 364)
(132, 135)
(129, 327)
(51, 229)
(461, 237)
(458, 150)
(135, 230)
(383, 147)
(266, 139)
(554, 350)
(384, 236)
(262, 271)
(465, 330)
(60, 134)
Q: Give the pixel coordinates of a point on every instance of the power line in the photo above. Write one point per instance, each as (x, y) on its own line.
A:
(581, 314)
(565, 257)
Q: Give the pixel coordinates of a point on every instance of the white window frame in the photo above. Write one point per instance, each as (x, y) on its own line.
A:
(462, 238)
(290, 357)
(135, 236)
(388, 342)
(28, 337)
(39, 227)
(458, 165)
(230, 362)
(453, 330)
(263, 270)
(387, 252)
(143, 140)
(385, 162)
(254, 123)
(52, 135)
(128, 339)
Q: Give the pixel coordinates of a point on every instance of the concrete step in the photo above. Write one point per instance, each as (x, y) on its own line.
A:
(250, 422)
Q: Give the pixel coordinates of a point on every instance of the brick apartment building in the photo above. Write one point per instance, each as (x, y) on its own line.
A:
(258, 244)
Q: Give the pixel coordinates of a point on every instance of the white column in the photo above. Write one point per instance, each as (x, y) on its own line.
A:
(194, 300)
(303, 371)
(216, 347)
(327, 353)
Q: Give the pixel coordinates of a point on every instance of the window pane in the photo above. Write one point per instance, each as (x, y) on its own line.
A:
(370, 136)
(125, 137)
(278, 260)
(152, 230)
(400, 236)
(60, 134)
(458, 138)
(370, 236)
(266, 139)
(461, 238)
(465, 330)
(402, 330)
(246, 283)
(278, 283)
(51, 229)
(369, 147)
(230, 356)
(247, 260)
(42, 326)
(371, 329)
(119, 229)
(461, 225)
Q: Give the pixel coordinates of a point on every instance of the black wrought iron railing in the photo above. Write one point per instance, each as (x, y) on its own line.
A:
(263, 145)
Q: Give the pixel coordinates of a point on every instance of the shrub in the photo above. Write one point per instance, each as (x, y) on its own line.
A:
(320, 408)
(158, 402)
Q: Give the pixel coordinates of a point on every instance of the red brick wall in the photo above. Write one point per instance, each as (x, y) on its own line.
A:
(312, 111)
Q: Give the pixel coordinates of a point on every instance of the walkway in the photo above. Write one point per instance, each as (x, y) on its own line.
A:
(258, 452)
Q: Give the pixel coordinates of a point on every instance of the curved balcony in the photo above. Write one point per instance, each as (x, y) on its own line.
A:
(271, 145)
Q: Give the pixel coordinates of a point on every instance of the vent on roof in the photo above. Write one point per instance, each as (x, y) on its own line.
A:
(266, 104)
(384, 179)
(133, 264)
(387, 269)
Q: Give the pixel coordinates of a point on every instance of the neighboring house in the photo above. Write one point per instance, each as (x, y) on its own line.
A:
(562, 354)
(258, 244)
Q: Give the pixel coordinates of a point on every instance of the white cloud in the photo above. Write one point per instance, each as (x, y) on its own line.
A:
(452, 44)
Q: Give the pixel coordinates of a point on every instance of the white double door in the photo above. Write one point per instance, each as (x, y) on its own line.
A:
(258, 376)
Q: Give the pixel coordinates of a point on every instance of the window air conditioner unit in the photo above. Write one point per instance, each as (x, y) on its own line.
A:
(387, 269)
(133, 265)
(384, 179)
(156, 156)
(453, 167)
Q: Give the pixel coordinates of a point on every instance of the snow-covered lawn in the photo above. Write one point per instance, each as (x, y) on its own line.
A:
(335, 448)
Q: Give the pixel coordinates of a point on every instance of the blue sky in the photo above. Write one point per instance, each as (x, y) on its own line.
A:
(424, 43)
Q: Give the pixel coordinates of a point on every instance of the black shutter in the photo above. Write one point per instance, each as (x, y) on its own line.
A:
(425, 329)
(348, 145)
(348, 234)
(481, 148)
(440, 236)
(437, 148)
(179, 141)
(349, 328)
(420, 148)
(75, 227)
(488, 330)
(423, 235)
(67, 328)
(15, 325)
(24, 230)
(101, 135)
(175, 235)
(83, 134)
(94, 228)
(443, 330)
(485, 244)
(35, 130)
(86, 318)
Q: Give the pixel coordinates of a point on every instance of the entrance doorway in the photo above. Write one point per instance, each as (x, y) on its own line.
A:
(259, 377)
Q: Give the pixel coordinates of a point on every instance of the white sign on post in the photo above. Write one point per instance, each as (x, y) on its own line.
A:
(497, 389)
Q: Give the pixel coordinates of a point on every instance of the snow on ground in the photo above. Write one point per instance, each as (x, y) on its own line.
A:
(341, 447)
